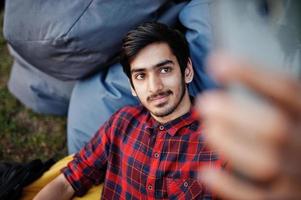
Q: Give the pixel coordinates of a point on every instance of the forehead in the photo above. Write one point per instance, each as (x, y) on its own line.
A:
(152, 55)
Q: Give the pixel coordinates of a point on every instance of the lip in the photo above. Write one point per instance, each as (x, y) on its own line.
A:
(160, 99)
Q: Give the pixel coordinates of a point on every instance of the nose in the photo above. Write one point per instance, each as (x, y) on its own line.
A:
(155, 83)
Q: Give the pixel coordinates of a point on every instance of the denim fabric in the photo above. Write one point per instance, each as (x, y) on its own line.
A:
(95, 99)
(68, 48)
(37, 90)
(72, 39)
(195, 17)
(56, 42)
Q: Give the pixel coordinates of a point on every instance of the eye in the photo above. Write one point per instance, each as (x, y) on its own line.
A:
(165, 70)
(139, 76)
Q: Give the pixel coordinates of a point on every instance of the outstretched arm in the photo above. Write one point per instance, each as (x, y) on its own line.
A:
(261, 141)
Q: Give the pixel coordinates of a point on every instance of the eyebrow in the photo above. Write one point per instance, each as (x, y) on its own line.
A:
(160, 64)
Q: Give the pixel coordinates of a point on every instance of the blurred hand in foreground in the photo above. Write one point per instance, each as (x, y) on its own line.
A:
(261, 142)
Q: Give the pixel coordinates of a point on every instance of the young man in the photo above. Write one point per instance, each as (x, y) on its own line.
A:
(151, 151)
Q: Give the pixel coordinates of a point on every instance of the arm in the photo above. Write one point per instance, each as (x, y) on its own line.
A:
(81, 172)
(261, 141)
(59, 188)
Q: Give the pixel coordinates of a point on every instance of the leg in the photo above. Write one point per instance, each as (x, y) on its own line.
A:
(93, 101)
(37, 90)
(196, 18)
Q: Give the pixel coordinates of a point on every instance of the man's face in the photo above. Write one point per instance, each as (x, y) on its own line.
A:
(158, 82)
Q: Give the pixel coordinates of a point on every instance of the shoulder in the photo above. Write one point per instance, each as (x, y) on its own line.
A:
(125, 120)
(128, 113)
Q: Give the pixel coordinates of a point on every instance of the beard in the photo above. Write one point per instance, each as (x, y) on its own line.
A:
(166, 109)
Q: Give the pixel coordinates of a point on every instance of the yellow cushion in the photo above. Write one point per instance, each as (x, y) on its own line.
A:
(31, 190)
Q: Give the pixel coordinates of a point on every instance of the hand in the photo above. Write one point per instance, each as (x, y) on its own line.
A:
(260, 141)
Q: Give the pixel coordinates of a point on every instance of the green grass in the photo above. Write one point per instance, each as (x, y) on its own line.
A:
(25, 135)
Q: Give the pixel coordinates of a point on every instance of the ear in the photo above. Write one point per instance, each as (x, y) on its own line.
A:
(133, 91)
(189, 72)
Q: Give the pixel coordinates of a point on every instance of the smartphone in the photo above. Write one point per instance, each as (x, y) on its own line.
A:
(267, 32)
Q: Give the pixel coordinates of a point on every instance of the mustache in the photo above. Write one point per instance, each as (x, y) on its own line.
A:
(154, 96)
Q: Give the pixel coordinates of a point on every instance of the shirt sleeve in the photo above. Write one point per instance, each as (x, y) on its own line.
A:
(88, 166)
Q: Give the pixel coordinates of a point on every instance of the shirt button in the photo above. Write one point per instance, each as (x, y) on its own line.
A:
(185, 184)
(156, 155)
(161, 128)
(150, 187)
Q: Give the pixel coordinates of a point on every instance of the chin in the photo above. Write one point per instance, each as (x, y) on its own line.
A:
(163, 113)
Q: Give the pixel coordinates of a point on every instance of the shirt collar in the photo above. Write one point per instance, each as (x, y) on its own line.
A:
(173, 126)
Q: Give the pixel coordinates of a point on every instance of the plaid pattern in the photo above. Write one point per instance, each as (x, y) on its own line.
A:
(138, 158)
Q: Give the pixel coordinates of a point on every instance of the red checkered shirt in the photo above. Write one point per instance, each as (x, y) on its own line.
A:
(138, 158)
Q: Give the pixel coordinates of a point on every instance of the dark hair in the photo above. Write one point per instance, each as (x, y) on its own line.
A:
(149, 33)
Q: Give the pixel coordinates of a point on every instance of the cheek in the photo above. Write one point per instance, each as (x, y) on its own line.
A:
(140, 91)
(172, 82)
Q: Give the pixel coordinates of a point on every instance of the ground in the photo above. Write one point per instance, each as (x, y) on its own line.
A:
(25, 135)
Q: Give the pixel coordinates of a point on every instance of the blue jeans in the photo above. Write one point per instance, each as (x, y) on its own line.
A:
(95, 99)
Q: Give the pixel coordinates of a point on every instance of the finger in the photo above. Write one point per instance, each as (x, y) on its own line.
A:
(229, 187)
(279, 87)
(291, 156)
(284, 188)
(253, 160)
(246, 117)
(223, 109)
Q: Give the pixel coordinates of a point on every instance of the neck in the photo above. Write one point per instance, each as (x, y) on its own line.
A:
(183, 107)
